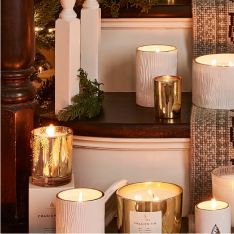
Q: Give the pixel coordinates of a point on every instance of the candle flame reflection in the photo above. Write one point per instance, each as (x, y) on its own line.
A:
(157, 50)
(213, 204)
(50, 130)
(231, 64)
(156, 198)
(80, 197)
(137, 198)
(213, 63)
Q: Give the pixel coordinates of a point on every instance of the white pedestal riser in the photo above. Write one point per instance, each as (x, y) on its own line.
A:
(90, 41)
(67, 61)
(42, 207)
(148, 66)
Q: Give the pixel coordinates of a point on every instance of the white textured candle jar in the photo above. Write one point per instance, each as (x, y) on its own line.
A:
(82, 210)
(213, 81)
(223, 186)
(152, 61)
(213, 217)
(149, 207)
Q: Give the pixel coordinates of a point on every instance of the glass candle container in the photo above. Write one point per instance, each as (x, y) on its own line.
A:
(223, 186)
(167, 97)
(213, 217)
(212, 81)
(149, 207)
(152, 61)
(51, 155)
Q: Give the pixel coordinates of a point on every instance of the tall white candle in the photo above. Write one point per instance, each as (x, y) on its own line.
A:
(213, 217)
(152, 61)
(223, 186)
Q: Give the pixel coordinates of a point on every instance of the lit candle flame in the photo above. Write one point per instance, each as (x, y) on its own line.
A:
(157, 50)
(213, 204)
(231, 64)
(156, 198)
(50, 130)
(80, 197)
(213, 63)
(40, 69)
(150, 192)
(137, 198)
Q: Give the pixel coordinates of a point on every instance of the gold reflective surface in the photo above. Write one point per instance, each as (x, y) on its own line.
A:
(171, 207)
(167, 97)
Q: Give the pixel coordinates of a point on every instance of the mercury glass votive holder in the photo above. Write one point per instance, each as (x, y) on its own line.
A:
(167, 97)
(51, 156)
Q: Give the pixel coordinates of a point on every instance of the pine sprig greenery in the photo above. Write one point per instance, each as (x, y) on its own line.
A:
(116, 5)
(88, 102)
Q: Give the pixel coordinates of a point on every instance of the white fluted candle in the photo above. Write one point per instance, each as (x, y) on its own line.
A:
(152, 61)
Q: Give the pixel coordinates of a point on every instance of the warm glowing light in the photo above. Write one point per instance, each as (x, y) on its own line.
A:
(37, 29)
(80, 197)
(231, 64)
(51, 29)
(150, 192)
(137, 198)
(156, 198)
(50, 130)
(213, 63)
(213, 204)
(40, 69)
(157, 50)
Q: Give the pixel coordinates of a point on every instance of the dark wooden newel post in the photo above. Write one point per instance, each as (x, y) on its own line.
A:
(18, 108)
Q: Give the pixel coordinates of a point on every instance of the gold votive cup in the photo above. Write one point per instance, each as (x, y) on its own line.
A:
(51, 156)
(149, 207)
(167, 97)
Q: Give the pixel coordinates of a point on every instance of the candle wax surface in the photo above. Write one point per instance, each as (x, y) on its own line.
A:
(56, 134)
(207, 205)
(143, 195)
(230, 177)
(156, 48)
(73, 194)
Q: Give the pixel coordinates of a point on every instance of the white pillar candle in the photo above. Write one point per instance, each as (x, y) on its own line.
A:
(213, 81)
(223, 186)
(213, 217)
(152, 61)
(82, 210)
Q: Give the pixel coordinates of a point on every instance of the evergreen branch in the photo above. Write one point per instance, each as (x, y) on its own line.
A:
(88, 102)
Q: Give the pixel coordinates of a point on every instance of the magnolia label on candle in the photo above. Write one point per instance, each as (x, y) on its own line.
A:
(145, 222)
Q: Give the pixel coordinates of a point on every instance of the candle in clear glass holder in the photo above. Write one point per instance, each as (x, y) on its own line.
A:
(152, 61)
(52, 155)
(149, 207)
(212, 81)
(167, 97)
(213, 217)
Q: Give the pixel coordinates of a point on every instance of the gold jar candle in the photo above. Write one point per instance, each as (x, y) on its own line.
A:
(149, 207)
(167, 96)
(51, 155)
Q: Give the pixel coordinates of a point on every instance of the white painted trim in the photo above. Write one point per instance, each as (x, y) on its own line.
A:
(146, 23)
(129, 144)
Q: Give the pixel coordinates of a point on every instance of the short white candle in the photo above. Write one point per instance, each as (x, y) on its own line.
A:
(213, 216)
(212, 81)
(152, 61)
(76, 213)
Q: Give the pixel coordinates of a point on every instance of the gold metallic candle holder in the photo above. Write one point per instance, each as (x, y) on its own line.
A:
(149, 207)
(167, 96)
(51, 156)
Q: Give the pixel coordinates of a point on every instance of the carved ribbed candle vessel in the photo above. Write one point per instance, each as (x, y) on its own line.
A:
(52, 155)
(213, 81)
(153, 61)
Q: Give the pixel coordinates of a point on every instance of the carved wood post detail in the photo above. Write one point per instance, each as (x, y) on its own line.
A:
(19, 110)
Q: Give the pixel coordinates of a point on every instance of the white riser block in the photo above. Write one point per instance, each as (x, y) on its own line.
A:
(90, 41)
(67, 61)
